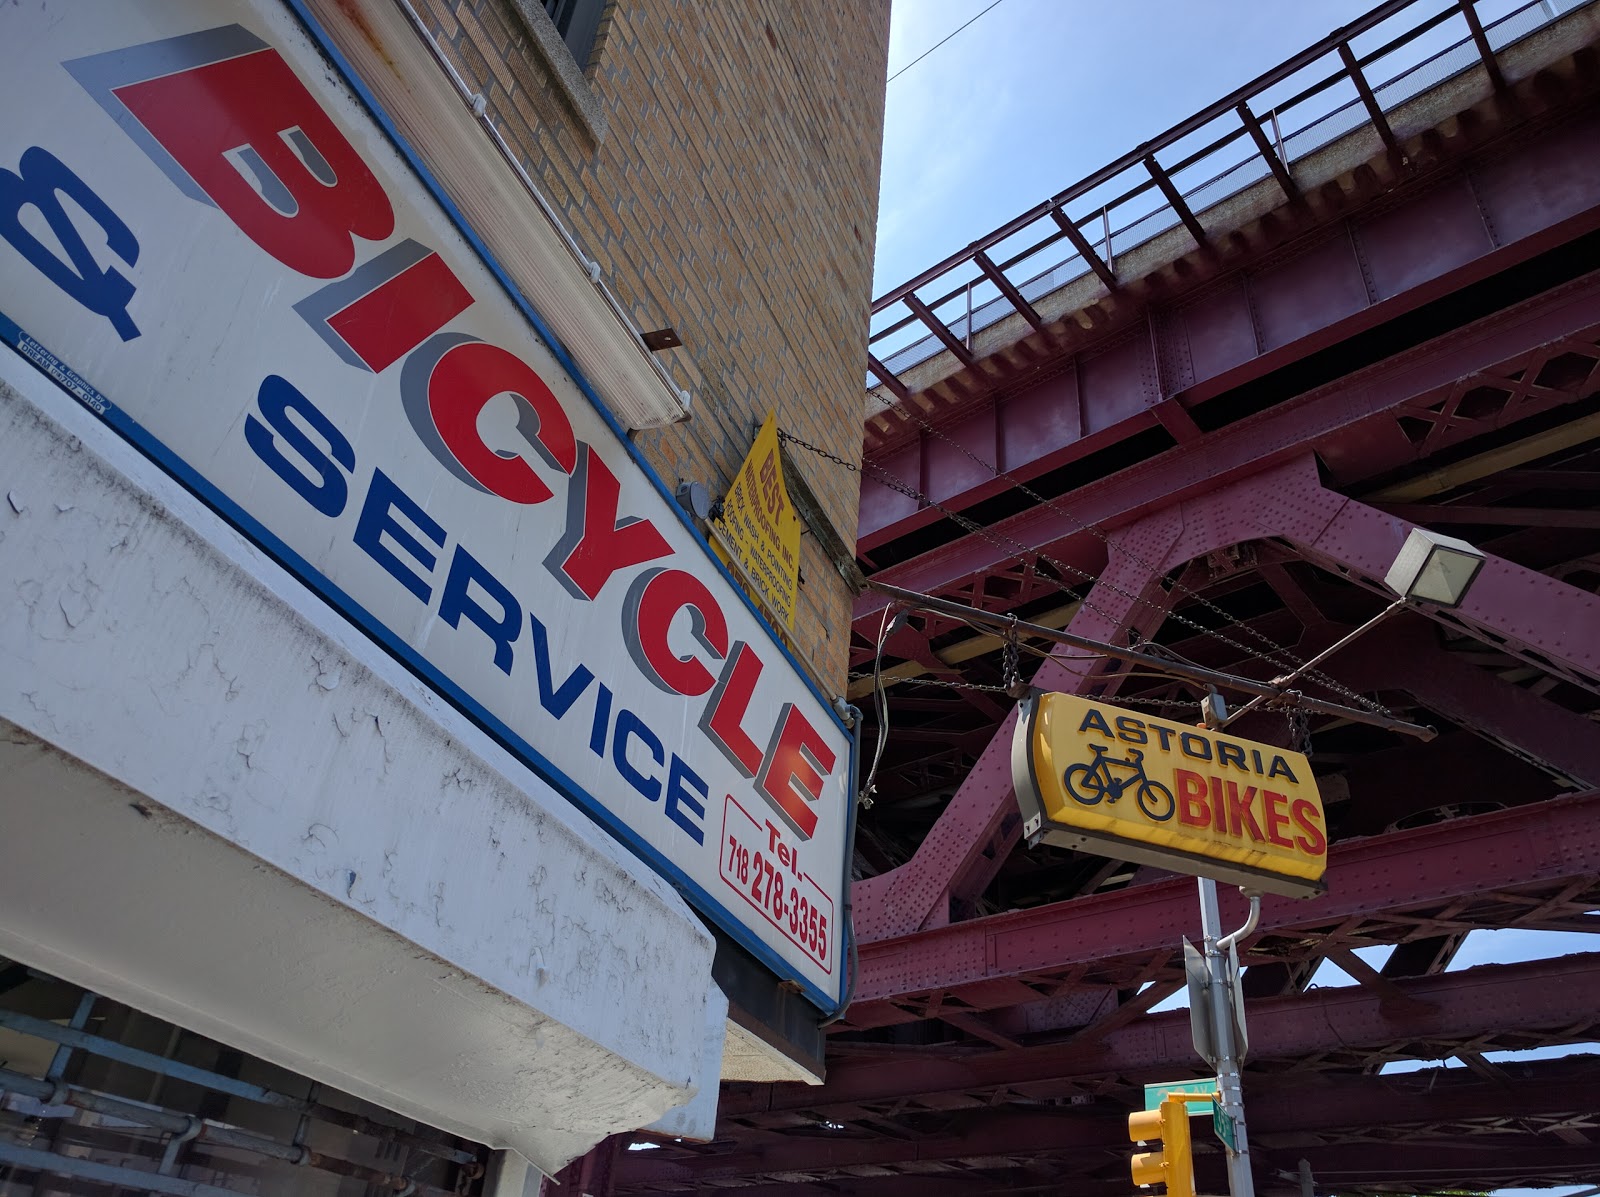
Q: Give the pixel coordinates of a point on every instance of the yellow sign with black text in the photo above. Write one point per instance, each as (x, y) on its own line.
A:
(760, 528)
(1133, 787)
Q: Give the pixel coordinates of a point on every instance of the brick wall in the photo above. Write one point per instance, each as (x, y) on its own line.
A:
(728, 190)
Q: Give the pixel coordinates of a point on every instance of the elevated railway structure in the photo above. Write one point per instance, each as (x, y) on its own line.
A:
(1196, 401)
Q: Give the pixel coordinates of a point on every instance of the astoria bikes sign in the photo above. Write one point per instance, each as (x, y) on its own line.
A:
(1095, 776)
(208, 238)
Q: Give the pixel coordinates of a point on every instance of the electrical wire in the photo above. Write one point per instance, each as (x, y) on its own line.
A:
(937, 44)
(1005, 687)
(1016, 550)
(852, 828)
(880, 704)
(1275, 649)
(1023, 646)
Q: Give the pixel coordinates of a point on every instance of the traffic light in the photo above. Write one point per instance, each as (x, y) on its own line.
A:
(1173, 1165)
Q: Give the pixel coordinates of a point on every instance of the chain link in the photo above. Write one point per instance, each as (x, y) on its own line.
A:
(950, 685)
(1008, 666)
(792, 439)
(1017, 549)
(1008, 690)
(1299, 731)
(1128, 699)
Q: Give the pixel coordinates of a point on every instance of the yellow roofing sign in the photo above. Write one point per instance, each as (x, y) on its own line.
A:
(1130, 786)
(760, 528)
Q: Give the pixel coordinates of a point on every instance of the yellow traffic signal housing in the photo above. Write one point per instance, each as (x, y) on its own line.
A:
(1173, 1165)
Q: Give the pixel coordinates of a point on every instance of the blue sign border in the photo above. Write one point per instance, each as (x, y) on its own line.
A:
(61, 373)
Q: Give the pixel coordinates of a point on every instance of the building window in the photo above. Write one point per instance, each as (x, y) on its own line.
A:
(577, 21)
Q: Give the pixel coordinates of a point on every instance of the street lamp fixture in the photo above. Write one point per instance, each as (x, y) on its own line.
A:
(1429, 569)
(1434, 569)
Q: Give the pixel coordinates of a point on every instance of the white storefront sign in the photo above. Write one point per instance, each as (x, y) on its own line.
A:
(209, 239)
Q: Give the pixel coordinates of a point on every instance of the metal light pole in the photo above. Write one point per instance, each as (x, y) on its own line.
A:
(1429, 568)
(1218, 949)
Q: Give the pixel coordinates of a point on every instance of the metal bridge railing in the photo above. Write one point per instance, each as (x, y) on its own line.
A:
(1249, 136)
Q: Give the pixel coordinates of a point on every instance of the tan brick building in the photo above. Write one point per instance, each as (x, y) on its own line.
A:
(719, 161)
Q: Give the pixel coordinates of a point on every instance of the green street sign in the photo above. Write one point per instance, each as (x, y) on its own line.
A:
(1223, 1125)
(1154, 1093)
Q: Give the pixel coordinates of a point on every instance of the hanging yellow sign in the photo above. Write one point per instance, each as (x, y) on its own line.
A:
(1133, 787)
(760, 529)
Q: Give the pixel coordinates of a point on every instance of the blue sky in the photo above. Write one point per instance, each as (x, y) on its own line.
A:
(1034, 95)
(1038, 93)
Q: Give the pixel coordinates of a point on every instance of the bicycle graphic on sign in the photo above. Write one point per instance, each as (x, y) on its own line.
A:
(1091, 781)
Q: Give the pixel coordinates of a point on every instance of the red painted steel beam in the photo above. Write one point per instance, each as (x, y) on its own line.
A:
(887, 378)
(593, 1173)
(1002, 1134)
(954, 1183)
(1521, 610)
(1442, 1162)
(1269, 152)
(974, 833)
(962, 851)
(1491, 64)
(1364, 90)
(1182, 129)
(941, 330)
(1548, 999)
(1079, 242)
(997, 276)
(1360, 407)
(1297, 1105)
(1399, 782)
(1549, 842)
(1549, 623)
(1174, 199)
(1543, 194)
(1289, 1103)
(1518, 609)
(1464, 513)
(1404, 656)
(1424, 1165)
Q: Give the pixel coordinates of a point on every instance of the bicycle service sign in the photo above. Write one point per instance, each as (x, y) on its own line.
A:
(209, 239)
(1096, 777)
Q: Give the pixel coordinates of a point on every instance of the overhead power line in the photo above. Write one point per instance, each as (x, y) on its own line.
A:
(939, 43)
(1095, 530)
(1007, 624)
(1018, 551)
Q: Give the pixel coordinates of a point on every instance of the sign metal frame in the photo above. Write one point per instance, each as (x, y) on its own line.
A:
(1153, 1094)
(1062, 822)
